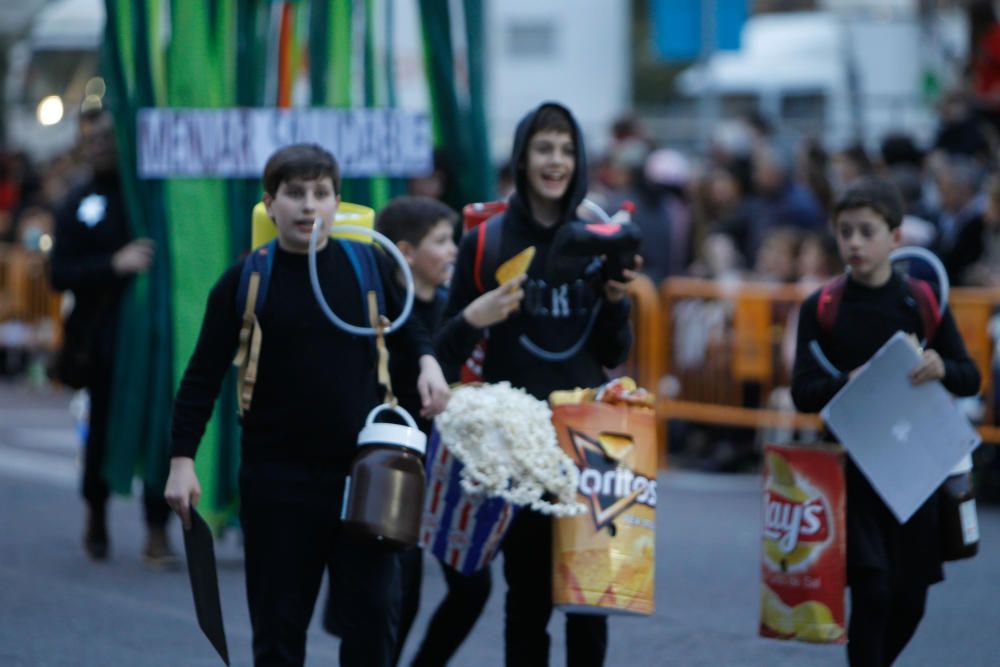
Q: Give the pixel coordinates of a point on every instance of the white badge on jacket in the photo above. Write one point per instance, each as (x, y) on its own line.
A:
(92, 209)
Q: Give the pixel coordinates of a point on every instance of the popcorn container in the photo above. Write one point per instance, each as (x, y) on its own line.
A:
(463, 530)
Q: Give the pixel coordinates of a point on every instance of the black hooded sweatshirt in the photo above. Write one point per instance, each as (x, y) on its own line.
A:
(552, 316)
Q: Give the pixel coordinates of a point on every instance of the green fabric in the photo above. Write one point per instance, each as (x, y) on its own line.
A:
(459, 130)
(198, 209)
(138, 425)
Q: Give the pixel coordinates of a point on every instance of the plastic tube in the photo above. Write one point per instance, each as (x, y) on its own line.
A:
(318, 292)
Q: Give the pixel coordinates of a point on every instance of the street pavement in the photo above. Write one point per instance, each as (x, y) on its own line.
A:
(59, 609)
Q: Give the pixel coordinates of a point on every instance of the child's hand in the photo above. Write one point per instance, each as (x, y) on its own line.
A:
(616, 290)
(183, 490)
(496, 305)
(434, 390)
(931, 367)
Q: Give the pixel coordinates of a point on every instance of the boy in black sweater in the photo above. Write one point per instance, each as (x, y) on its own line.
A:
(315, 385)
(423, 230)
(551, 182)
(889, 565)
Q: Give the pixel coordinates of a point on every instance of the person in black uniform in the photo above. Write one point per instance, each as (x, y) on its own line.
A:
(423, 230)
(94, 256)
(889, 565)
(550, 183)
(315, 385)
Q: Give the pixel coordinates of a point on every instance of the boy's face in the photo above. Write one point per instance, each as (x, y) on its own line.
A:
(865, 242)
(550, 164)
(294, 207)
(433, 258)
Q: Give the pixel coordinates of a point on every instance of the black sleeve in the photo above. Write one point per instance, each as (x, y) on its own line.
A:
(71, 267)
(212, 357)
(612, 336)
(456, 338)
(411, 340)
(961, 377)
(812, 386)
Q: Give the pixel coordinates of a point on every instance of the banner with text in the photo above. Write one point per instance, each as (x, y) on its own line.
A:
(236, 143)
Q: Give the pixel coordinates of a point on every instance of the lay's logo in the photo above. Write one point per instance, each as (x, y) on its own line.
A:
(789, 523)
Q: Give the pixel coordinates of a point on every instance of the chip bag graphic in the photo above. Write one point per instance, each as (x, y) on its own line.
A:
(604, 560)
(804, 547)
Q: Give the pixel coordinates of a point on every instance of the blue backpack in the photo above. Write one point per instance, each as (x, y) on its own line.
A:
(252, 295)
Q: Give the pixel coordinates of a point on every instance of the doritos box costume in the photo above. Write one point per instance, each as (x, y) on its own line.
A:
(604, 559)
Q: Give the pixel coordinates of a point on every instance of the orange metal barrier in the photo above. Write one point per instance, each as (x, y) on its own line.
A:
(29, 308)
(713, 351)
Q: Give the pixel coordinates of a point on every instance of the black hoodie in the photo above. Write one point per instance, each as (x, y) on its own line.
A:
(551, 316)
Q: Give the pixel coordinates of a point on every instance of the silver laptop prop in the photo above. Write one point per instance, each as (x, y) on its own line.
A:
(904, 438)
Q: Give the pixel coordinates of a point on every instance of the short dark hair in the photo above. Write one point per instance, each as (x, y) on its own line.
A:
(552, 118)
(879, 195)
(410, 218)
(308, 161)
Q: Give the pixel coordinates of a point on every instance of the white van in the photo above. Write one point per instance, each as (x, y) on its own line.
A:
(840, 77)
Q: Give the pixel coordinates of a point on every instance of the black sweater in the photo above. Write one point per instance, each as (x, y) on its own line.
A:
(404, 369)
(867, 318)
(315, 383)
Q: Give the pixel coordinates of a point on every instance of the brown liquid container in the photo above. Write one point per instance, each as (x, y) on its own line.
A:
(959, 524)
(385, 495)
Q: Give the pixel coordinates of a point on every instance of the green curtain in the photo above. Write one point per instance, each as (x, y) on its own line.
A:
(459, 126)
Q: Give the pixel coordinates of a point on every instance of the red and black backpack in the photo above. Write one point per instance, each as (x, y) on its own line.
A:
(832, 294)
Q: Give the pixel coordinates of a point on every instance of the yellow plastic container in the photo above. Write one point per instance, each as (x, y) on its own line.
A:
(263, 229)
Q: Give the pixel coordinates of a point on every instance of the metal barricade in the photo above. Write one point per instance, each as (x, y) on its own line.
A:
(724, 346)
(29, 308)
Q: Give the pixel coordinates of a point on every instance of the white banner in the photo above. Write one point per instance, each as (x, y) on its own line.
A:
(236, 143)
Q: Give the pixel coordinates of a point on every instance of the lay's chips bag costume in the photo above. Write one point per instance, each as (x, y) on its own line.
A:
(804, 563)
(604, 559)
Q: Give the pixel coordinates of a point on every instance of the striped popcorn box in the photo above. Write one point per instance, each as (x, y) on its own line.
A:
(463, 530)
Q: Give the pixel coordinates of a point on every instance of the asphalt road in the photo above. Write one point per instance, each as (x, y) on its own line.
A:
(58, 609)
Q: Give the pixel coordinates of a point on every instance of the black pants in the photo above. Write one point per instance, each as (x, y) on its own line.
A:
(884, 616)
(527, 566)
(455, 616)
(290, 516)
(94, 489)
(411, 572)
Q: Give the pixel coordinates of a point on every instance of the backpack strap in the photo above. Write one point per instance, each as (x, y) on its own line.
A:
(927, 305)
(362, 258)
(830, 296)
(250, 296)
(259, 261)
(487, 253)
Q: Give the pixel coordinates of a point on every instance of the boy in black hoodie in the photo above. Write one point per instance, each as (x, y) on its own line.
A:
(551, 181)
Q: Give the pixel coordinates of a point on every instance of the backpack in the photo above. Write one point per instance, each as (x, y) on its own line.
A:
(252, 295)
(832, 293)
(486, 262)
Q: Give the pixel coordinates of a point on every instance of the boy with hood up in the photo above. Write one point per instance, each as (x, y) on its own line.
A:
(549, 314)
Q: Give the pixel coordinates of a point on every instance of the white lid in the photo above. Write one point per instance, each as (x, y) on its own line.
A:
(393, 435)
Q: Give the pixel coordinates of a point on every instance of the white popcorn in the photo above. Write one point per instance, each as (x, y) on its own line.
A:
(506, 441)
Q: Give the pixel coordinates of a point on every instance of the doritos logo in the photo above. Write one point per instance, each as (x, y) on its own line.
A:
(608, 485)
